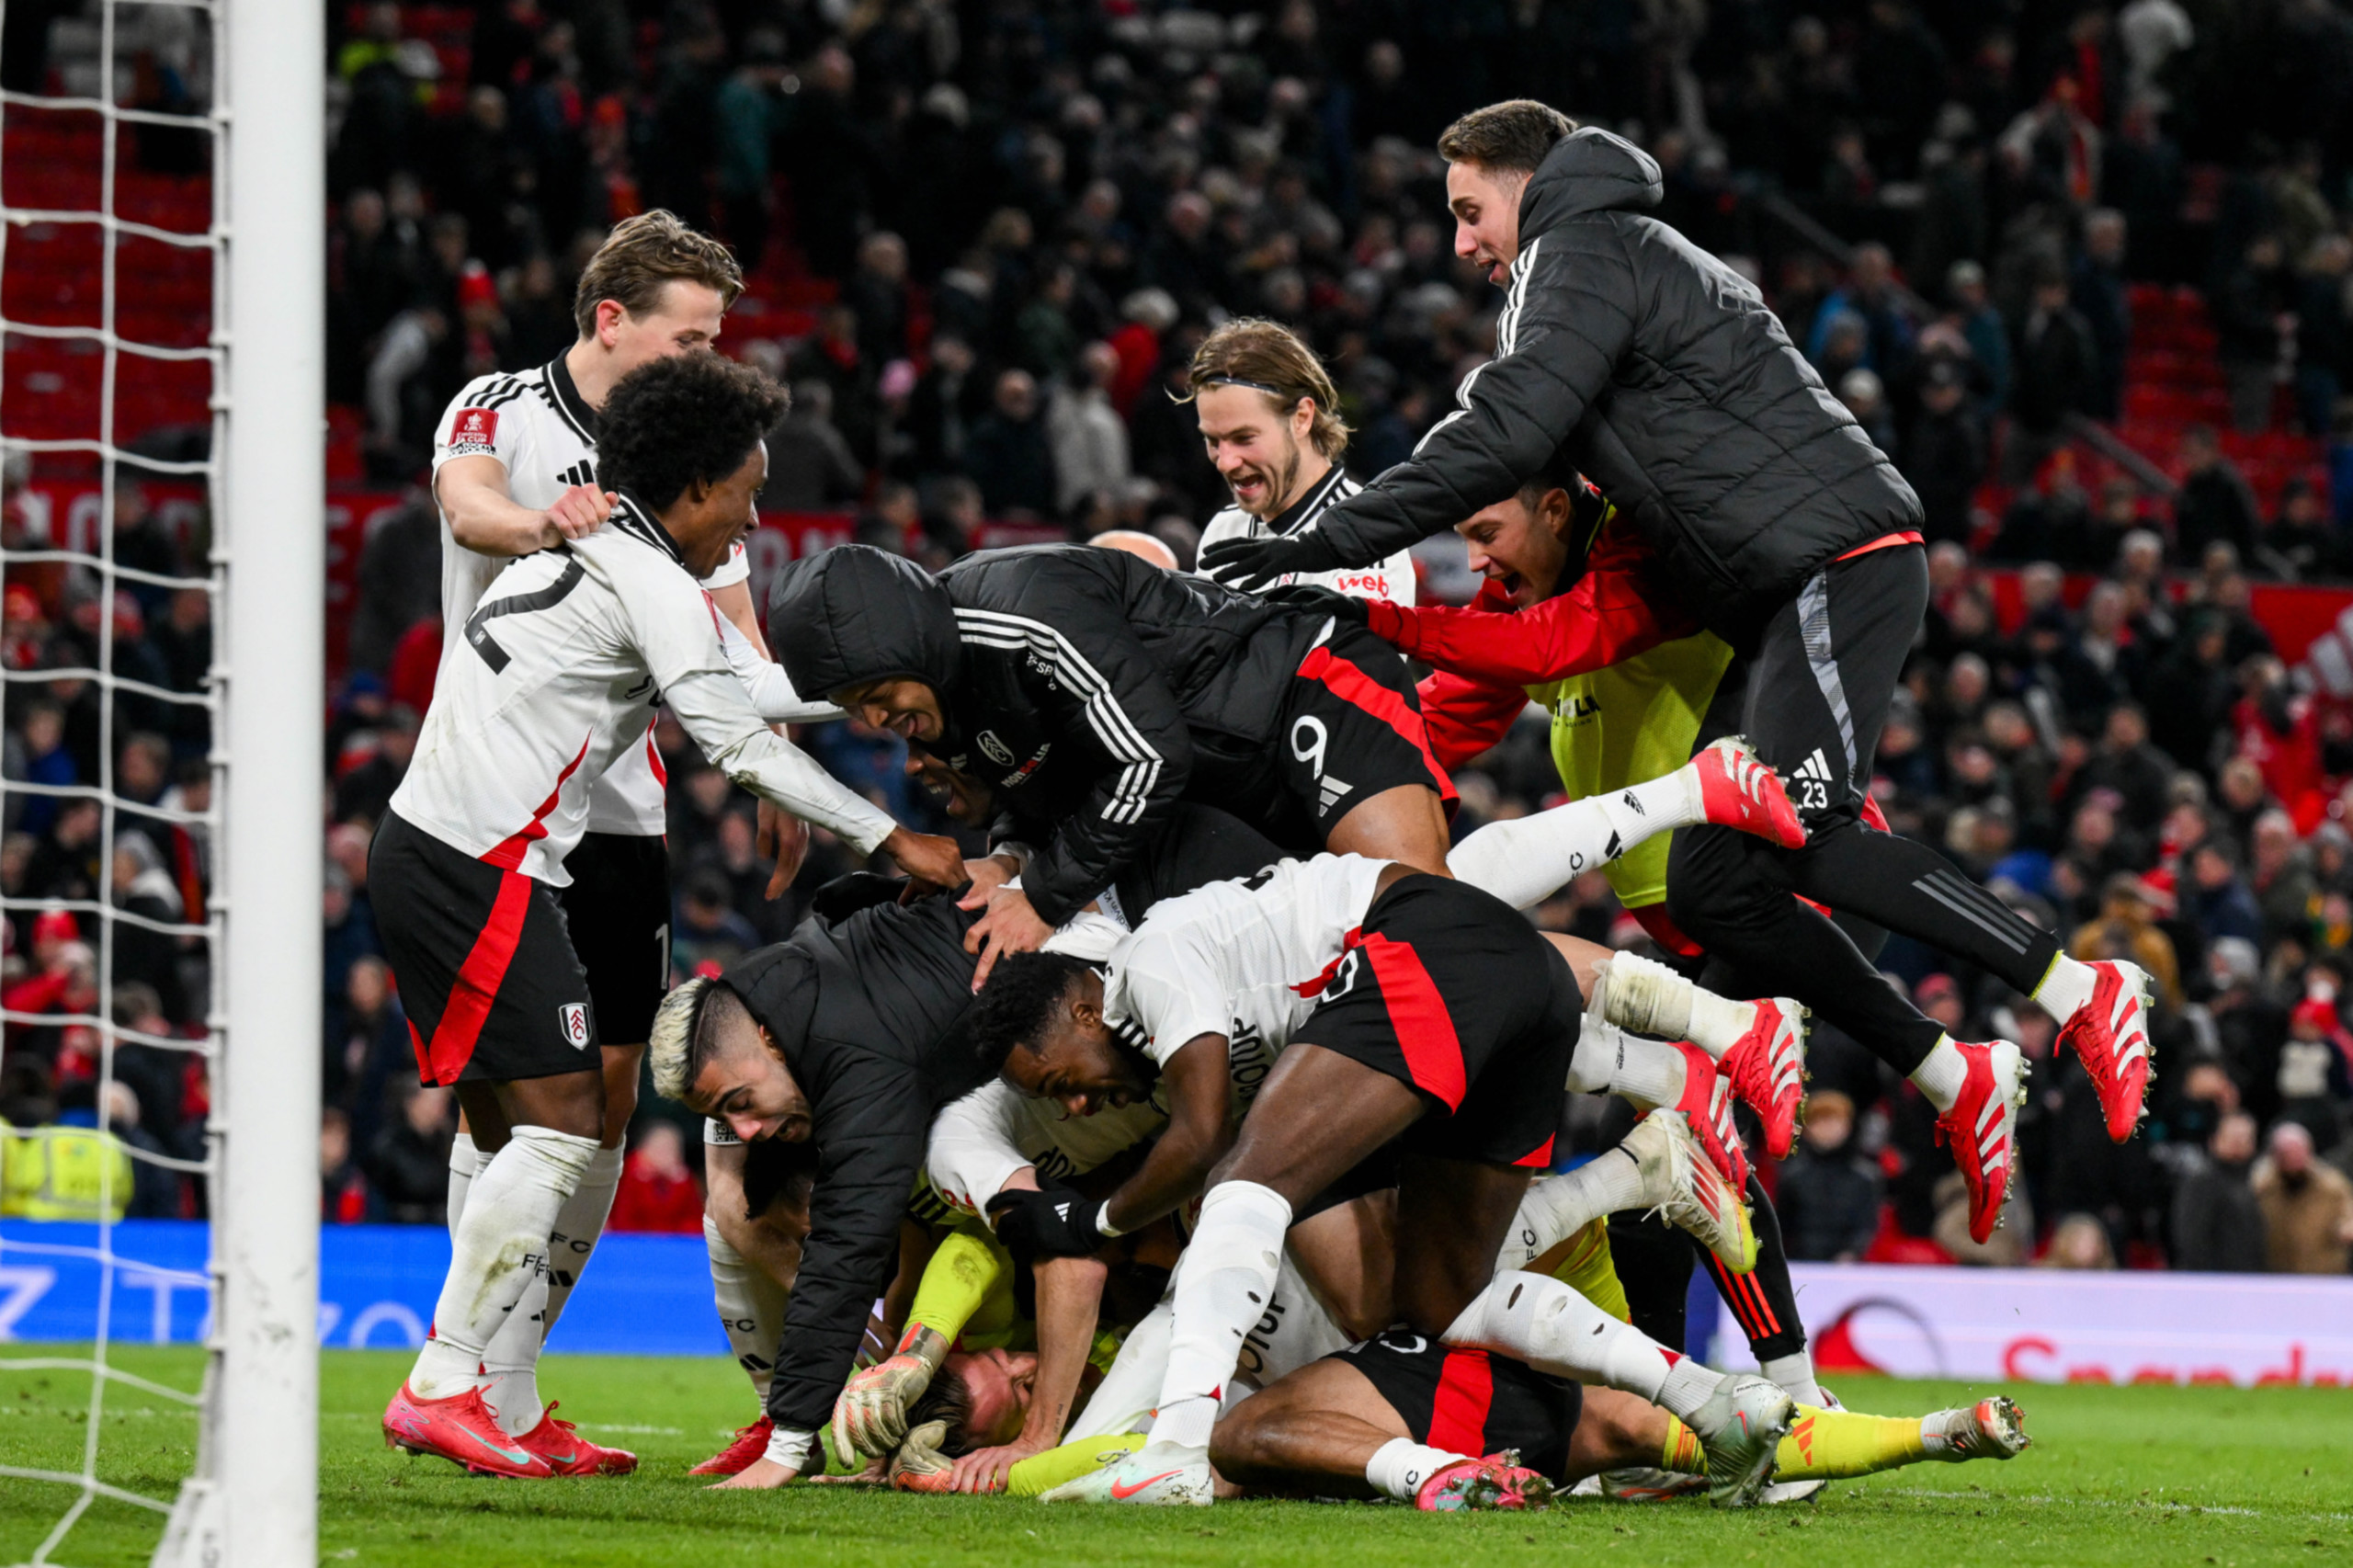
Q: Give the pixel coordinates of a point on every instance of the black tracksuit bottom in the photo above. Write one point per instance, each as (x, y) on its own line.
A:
(1813, 698)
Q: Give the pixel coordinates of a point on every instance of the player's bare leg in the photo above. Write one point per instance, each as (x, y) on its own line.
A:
(1325, 1431)
(1346, 1254)
(1406, 824)
(1309, 1434)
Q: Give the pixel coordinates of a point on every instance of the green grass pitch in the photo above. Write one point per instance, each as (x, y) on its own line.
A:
(2117, 1476)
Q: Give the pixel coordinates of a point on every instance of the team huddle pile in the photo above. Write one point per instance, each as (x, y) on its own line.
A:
(1194, 1140)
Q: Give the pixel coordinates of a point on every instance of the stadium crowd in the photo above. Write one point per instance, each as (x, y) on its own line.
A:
(984, 240)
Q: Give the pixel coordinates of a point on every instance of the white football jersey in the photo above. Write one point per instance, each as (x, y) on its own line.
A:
(1391, 580)
(1240, 958)
(979, 1141)
(556, 675)
(542, 432)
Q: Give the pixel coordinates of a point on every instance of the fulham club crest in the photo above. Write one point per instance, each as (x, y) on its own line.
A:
(572, 1019)
(995, 750)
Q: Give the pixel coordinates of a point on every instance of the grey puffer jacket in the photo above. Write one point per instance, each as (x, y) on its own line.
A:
(1667, 381)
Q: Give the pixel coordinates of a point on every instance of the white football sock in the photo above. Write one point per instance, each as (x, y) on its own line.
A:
(579, 1224)
(1399, 1466)
(1560, 1206)
(1223, 1283)
(508, 1215)
(1656, 805)
(1609, 1061)
(1123, 1402)
(1794, 1373)
(466, 1161)
(1646, 997)
(1537, 1319)
(1943, 1075)
(2068, 987)
(510, 1361)
(751, 1308)
(1525, 860)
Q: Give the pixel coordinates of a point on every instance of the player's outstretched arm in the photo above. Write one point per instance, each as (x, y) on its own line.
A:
(1069, 1298)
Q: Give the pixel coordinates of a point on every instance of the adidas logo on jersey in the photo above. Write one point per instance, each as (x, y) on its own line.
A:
(582, 472)
(1333, 789)
(1816, 767)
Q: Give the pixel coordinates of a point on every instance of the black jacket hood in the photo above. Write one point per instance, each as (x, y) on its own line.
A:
(857, 614)
(1587, 171)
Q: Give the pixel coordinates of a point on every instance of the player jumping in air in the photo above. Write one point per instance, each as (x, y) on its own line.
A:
(1659, 372)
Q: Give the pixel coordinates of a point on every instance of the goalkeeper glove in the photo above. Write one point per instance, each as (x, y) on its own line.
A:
(922, 1464)
(871, 1416)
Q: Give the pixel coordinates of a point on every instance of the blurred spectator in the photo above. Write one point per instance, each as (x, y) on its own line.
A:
(657, 1192)
(2058, 366)
(365, 794)
(2217, 1221)
(2126, 930)
(2215, 504)
(2315, 1082)
(2303, 542)
(409, 1162)
(1982, 326)
(1088, 440)
(1829, 1194)
(1944, 455)
(2247, 308)
(343, 1190)
(1007, 453)
(2080, 1241)
(810, 465)
(2307, 1207)
(2096, 291)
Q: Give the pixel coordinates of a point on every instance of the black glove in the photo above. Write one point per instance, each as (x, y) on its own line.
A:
(1245, 563)
(1321, 600)
(1056, 1222)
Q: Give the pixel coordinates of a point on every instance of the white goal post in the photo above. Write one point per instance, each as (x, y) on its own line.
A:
(253, 1499)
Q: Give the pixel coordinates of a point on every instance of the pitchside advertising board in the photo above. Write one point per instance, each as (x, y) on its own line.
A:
(2048, 1326)
(651, 1296)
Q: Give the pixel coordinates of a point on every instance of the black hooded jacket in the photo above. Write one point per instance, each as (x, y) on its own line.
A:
(1670, 384)
(1064, 671)
(870, 1015)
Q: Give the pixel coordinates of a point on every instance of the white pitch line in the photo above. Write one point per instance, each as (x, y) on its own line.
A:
(2112, 1503)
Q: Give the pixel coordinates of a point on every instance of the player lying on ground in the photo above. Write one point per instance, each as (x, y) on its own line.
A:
(1200, 1000)
(1445, 1428)
(1346, 1243)
(844, 1037)
(974, 1169)
(557, 674)
(1447, 1028)
(1657, 369)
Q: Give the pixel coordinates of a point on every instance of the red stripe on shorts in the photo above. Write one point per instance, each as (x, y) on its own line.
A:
(1466, 1388)
(1360, 690)
(479, 978)
(1418, 1014)
(1542, 1158)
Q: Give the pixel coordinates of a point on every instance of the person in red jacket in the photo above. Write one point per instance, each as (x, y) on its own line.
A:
(657, 1192)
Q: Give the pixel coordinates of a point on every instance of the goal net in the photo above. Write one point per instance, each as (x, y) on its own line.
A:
(161, 607)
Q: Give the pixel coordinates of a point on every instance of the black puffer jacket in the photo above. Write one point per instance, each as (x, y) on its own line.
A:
(868, 1013)
(1132, 684)
(1671, 385)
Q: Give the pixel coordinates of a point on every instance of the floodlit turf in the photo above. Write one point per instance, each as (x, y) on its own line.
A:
(2136, 1475)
